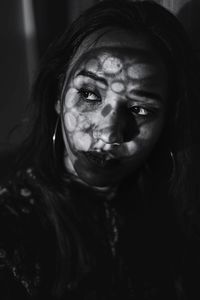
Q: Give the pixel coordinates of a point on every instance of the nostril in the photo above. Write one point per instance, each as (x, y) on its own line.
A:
(111, 135)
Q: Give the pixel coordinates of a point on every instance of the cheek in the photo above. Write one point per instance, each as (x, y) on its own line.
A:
(71, 99)
(144, 142)
(78, 128)
(74, 122)
(82, 141)
(70, 121)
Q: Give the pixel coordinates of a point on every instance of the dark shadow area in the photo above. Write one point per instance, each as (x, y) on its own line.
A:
(189, 16)
(51, 20)
(13, 75)
(7, 163)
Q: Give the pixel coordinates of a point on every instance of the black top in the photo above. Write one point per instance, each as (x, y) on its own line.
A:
(146, 262)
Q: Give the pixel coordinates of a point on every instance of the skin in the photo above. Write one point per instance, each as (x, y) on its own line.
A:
(113, 107)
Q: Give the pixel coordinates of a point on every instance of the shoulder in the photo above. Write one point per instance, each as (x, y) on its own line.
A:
(19, 232)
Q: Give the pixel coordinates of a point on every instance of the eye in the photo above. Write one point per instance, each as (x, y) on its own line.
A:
(89, 96)
(141, 111)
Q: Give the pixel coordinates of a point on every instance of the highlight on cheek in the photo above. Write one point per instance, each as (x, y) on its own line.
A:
(83, 122)
(70, 121)
(112, 65)
(129, 148)
(82, 141)
(76, 126)
(71, 98)
(146, 132)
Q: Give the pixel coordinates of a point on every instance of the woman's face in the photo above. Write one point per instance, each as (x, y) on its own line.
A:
(113, 107)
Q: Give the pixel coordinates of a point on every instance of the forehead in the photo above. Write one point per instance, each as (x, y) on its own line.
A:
(113, 61)
(119, 43)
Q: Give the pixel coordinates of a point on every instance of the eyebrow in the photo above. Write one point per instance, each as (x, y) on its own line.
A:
(92, 76)
(149, 95)
(140, 93)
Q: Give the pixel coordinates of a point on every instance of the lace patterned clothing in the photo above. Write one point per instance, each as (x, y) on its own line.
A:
(27, 251)
(20, 237)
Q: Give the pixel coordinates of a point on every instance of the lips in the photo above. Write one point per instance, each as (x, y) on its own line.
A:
(101, 159)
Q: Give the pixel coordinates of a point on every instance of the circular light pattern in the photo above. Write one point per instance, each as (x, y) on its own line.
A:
(135, 71)
(82, 141)
(70, 121)
(131, 72)
(76, 82)
(130, 93)
(128, 149)
(118, 87)
(101, 85)
(95, 134)
(70, 99)
(112, 65)
(92, 65)
(83, 122)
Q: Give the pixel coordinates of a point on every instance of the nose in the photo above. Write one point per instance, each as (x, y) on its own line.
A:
(111, 129)
(108, 135)
(118, 126)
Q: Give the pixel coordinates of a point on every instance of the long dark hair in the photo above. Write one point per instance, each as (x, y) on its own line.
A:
(176, 146)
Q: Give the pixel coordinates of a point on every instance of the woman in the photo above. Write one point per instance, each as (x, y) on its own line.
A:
(103, 202)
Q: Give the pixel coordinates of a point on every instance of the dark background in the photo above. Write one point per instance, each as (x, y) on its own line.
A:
(29, 26)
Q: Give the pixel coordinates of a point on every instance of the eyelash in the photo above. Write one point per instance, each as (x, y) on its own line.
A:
(85, 93)
(147, 112)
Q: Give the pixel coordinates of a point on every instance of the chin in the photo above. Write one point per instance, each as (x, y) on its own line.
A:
(99, 176)
(97, 180)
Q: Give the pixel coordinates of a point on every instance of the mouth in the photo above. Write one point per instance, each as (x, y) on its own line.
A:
(101, 159)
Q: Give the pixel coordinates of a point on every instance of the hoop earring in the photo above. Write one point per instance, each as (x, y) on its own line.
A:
(173, 165)
(54, 137)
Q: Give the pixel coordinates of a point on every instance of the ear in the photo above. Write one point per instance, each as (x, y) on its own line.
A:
(58, 107)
